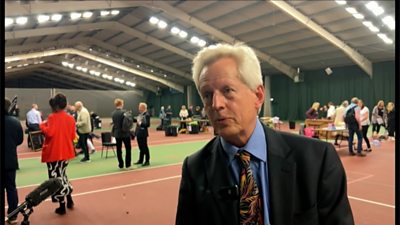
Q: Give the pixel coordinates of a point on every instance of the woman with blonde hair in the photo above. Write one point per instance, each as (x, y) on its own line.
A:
(312, 113)
(378, 117)
(390, 120)
(364, 119)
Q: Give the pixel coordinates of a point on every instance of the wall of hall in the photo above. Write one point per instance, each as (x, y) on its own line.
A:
(101, 102)
(291, 100)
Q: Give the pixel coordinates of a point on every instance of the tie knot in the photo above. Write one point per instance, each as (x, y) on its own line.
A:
(244, 156)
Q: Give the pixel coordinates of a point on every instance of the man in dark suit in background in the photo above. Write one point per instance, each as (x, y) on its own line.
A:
(13, 137)
(143, 123)
(121, 135)
(248, 173)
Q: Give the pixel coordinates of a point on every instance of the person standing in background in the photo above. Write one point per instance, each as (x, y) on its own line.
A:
(84, 127)
(391, 120)
(33, 119)
(58, 149)
(120, 135)
(312, 113)
(378, 118)
(365, 122)
(142, 133)
(330, 115)
(354, 127)
(12, 138)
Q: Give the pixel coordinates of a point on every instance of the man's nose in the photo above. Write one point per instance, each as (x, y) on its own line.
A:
(218, 101)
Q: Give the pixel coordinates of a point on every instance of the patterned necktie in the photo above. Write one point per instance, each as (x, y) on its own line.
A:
(250, 200)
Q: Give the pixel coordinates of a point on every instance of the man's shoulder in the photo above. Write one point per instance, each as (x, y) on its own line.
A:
(205, 152)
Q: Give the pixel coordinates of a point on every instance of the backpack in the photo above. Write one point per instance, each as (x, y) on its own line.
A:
(127, 122)
(350, 117)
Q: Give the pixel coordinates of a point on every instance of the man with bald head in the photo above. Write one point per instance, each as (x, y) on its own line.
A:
(83, 127)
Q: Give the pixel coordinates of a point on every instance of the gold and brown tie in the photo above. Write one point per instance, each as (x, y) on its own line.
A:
(250, 200)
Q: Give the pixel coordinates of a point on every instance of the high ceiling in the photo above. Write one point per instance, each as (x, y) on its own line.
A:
(129, 47)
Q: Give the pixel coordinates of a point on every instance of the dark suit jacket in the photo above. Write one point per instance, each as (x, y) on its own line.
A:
(117, 117)
(142, 129)
(13, 136)
(307, 184)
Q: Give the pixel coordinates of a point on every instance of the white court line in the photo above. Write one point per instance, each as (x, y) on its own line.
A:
(108, 174)
(371, 202)
(359, 179)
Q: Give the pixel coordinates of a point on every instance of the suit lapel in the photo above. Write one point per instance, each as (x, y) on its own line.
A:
(281, 173)
(220, 178)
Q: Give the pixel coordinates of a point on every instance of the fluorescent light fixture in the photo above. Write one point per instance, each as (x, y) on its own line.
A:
(368, 24)
(78, 68)
(162, 24)
(41, 62)
(25, 64)
(388, 41)
(389, 21)
(104, 13)
(104, 75)
(371, 5)
(71, 65)
(92, 72)
(175, 30)
(378, 11)
(56, 17)
(183, 34)
(153, 20)
(341, 2)
(202, 43)
(19, 65)
(9, 67)
(84, 69)
(165, 75)
(194, 39)
(64, 63)
(8, 21)
(382, 36)
(133, 84)
(114, 12)
(138, 66)
(21, 20)
(358, 16)
(373, 29)
(87, 14)
(75, 15)
(351, 10)
(43, 18)
(96, 73)
(152, 70)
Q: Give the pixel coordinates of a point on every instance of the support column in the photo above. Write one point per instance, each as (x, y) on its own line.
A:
(267, 100)
(189, 94)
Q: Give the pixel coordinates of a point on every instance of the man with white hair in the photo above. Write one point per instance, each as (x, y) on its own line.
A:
(249, 173)
(142, 133)
(33, 119)
(84, 128)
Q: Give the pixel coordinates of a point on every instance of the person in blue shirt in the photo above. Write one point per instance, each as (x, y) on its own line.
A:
(286, 178)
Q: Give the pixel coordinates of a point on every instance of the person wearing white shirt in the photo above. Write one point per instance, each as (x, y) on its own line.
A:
(365, 122)
(33, 119)
(331, 111)
(183, 114)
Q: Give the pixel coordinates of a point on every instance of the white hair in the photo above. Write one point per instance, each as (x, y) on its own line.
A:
(248, 64)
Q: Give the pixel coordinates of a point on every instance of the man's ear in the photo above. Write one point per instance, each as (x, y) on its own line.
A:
(260, 96)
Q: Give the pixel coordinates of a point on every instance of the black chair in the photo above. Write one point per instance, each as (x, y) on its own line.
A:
(106, 141)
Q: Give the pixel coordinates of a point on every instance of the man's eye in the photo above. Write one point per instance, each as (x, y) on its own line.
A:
(228, 90)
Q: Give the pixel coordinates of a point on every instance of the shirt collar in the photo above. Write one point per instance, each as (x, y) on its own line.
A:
(256, 145)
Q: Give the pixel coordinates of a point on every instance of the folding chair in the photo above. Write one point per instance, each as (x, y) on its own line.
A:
(106, 141)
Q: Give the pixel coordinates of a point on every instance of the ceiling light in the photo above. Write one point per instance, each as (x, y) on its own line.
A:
(97, 73)
(41, 62)
(56, 17)
(9, 67)
(175, 30)
(8, 21)
(341, 2)
(26, 64)
(87, 14)
(153, 20)
(162, 24)
(194, 39)
(114, 12)
(373, 29)
(21, 20)
(165, 75)
(91, 72)
(389, 21)
(152, 70)
(78, 68)
(382, 36)
(388, 41)
(84, 69)
(19, 65)
(183, 34)
(202, 43)
(104, 75)
(133, 84)
(368, 24)
(64, 63)
(75, 15)
(104, 13)
(378, 11)
(358, 16)
(371, 5)
(138, 66)
(71, 65)
(43, 18)
(351, 10)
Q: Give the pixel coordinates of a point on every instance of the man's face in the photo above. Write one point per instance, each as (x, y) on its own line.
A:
(141, 108)
(78, 107)
(230, 105)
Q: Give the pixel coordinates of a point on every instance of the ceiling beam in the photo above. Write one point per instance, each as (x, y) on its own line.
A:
(183, 16)
(110, 25)
(94, 58)
(359, 59)
(96, 42)
(63, 81)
